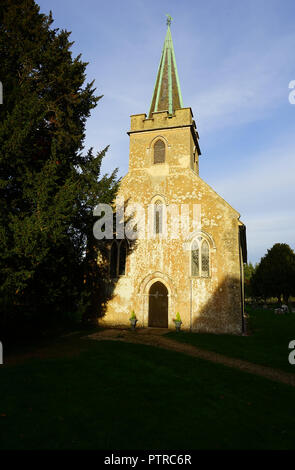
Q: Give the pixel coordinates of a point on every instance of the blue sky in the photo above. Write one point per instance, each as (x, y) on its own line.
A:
(235, 60)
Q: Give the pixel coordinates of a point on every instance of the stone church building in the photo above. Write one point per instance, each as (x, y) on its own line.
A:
(198, 273)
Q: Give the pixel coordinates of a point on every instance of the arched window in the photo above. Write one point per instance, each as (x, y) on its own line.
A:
(195, 258)
(114, 260)
(158, 217)
(122, 257)
(159, 152)
(200, 258)
(118, 259)
(205, 258)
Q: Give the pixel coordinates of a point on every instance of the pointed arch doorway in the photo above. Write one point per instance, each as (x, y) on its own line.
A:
(158, 305)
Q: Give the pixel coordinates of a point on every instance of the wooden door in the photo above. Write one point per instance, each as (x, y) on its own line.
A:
(158, 305)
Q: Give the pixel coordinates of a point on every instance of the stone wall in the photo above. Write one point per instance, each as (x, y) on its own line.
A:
(205, 304)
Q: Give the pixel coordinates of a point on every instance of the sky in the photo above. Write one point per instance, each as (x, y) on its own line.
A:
(235, 61)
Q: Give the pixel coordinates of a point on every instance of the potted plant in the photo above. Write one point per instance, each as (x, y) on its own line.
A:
(133, 320)
(177, 322)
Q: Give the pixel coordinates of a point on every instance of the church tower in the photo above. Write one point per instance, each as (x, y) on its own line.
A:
(167, 114)
(189, 257)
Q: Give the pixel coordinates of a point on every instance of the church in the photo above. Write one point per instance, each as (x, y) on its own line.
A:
(196, 272)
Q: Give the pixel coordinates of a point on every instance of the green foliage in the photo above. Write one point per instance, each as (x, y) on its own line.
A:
(249, 270)
(177, 318)
(275, 274)
(48, 186)
(133, 316)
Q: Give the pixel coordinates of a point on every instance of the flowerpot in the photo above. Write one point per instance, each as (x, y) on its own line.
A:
(178, 325)
(133, 323)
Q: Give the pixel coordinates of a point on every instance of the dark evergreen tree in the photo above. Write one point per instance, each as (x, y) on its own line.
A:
(48, 186)
(249, 270)
(275, 274)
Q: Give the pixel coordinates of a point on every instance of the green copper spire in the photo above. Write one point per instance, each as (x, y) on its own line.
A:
(167, 94)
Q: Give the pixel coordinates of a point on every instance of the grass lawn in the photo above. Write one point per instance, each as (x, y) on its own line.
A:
(111, 395)
(267, 343)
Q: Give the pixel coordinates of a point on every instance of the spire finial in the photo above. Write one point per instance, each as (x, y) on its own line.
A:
(169, 19)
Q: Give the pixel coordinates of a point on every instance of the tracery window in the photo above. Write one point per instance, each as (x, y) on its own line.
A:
(122, 257)
(114, 259)
(118, 259)
(205, 259)
(195, 254)
(200, 258)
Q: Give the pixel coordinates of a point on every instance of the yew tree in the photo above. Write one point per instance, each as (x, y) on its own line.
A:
(275, 274)
(49, 183)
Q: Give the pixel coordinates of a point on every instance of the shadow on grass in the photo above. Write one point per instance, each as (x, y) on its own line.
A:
(266, 345)
(125, 396)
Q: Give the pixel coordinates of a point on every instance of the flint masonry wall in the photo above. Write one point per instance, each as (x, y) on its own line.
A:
(205, 304)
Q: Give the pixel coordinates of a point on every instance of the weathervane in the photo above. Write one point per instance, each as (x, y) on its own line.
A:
(169, 19)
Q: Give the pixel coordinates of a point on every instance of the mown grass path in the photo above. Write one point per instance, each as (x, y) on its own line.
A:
(75, 393)
(156, 337)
